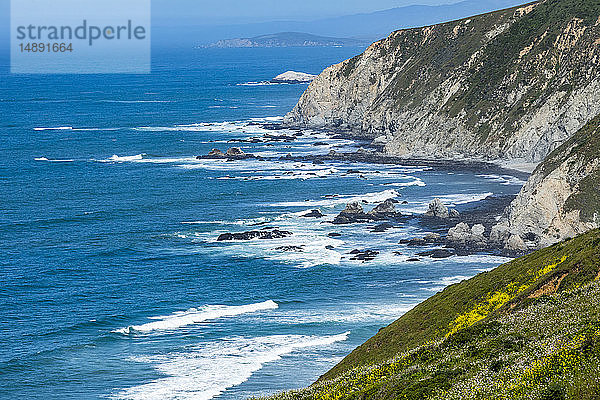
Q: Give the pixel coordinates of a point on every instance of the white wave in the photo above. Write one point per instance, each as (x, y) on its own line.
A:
(60, 128)
(482, 259)
(49, 160)
(504, 179)
(240, 222)
(450, 200)
(264, 83)
(206, 371)
(267, 119)
(288, 175)
(246, 127)
(416, 182)
(195, 315)
(134, 101)
(375, 197)
(457, 199)
(347, 313)
(116, 158)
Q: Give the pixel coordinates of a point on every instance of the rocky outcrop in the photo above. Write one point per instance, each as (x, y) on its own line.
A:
(264, 234)
(562, 197)
(513, 84)
(233, 153)
(437, 209)
(292, 77)
(355, 213)
(463, 234)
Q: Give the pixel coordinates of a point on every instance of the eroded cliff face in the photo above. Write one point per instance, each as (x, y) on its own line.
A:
(562, 197)
(513, 84)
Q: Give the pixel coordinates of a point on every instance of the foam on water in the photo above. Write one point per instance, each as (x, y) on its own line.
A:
(196, 315)
(348, 313)
(49, 160)
(60, 128)
(375, 197)
(116, 158)
(238, 127)
(206, 371)
(504, 179)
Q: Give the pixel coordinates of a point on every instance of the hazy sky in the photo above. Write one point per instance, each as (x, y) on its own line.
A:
(204, 11)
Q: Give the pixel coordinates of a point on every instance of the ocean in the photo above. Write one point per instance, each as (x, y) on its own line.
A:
(113, 284)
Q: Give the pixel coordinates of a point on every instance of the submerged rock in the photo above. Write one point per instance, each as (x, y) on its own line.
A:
(297, 249)
(382, 227)
(264, 234)
(364, 255)
(313, 214)
(437, 253)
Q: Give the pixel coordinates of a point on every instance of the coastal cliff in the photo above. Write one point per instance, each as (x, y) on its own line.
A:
(508, 85)
(562, 197)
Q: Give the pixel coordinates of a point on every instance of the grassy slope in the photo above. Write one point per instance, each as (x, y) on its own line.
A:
(516, 331)
(430, 319)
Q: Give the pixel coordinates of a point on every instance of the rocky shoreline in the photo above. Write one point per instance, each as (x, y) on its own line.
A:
(452, 232)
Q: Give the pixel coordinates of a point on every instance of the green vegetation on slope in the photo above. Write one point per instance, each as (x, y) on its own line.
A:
(530, 329)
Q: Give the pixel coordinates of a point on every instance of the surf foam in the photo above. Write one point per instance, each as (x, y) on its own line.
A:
(206, 371)
(196, 315)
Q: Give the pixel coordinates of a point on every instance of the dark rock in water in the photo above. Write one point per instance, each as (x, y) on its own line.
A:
(314, 214)
(233, 153)
(385, 210)
(274, 234)
(334, 234)
(405, 202)
(216, 153)
(320, 144)
(414, 242)
(382, 227)
(413, 260)
(431, 238)
(366, 255)
(354, 213)
(397, 253)
(437, 253)
(297, 249)
(329, 247)
(353, 171)
(279, 138)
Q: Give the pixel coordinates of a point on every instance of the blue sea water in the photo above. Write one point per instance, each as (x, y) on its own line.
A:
(112, 283)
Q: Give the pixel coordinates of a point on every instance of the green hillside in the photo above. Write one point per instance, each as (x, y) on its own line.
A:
(529, 329)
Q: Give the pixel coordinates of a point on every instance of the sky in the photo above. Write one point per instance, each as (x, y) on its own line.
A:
(234, 11)
(199, 21)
